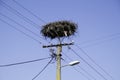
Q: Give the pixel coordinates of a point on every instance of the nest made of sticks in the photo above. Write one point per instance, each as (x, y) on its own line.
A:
(59, 29)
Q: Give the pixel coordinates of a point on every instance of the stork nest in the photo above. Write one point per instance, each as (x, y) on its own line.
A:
(59, 29)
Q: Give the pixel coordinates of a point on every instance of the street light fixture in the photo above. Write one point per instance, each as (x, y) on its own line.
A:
(71, 63)
(74, 63)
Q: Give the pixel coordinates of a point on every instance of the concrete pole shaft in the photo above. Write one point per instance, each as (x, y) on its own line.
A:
(58, 73)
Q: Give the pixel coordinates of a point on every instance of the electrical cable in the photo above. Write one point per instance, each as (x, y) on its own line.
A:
(21, 25)
(100, 40)
(20, 31)
(94, 62)
(42, 69)
(81, 73)
(77, 69)
(13, 64)
(28, 11)
(81, 69)
(19, 14)
(88, 64)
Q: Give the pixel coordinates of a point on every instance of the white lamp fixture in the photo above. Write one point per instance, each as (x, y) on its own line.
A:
(74, 63)
(71, 63)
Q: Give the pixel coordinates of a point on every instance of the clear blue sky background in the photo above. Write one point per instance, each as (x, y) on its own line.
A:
(98, 35)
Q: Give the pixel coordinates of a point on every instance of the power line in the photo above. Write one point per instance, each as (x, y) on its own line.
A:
(100, 40)
(43, 69)
(28, 11)
(13, 64)
(95, 62)
(20, 31)
(81, 69)
(88, 63)
(77, 69)
(20, 25)
(19, 14)
(81, 73)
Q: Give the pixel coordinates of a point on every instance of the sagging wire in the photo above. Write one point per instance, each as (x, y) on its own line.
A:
(13, 64)
(20, 31)
(94, 62)
(88, 64)
(20, 25)
(19, 14)
(53, 56)
(28, 11)
(43, 69)
(81, 69)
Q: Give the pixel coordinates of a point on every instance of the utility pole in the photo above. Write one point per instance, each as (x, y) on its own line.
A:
(58, 57)
(59, 30)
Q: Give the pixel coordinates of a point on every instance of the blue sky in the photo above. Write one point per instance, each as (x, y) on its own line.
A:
(98, 35)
